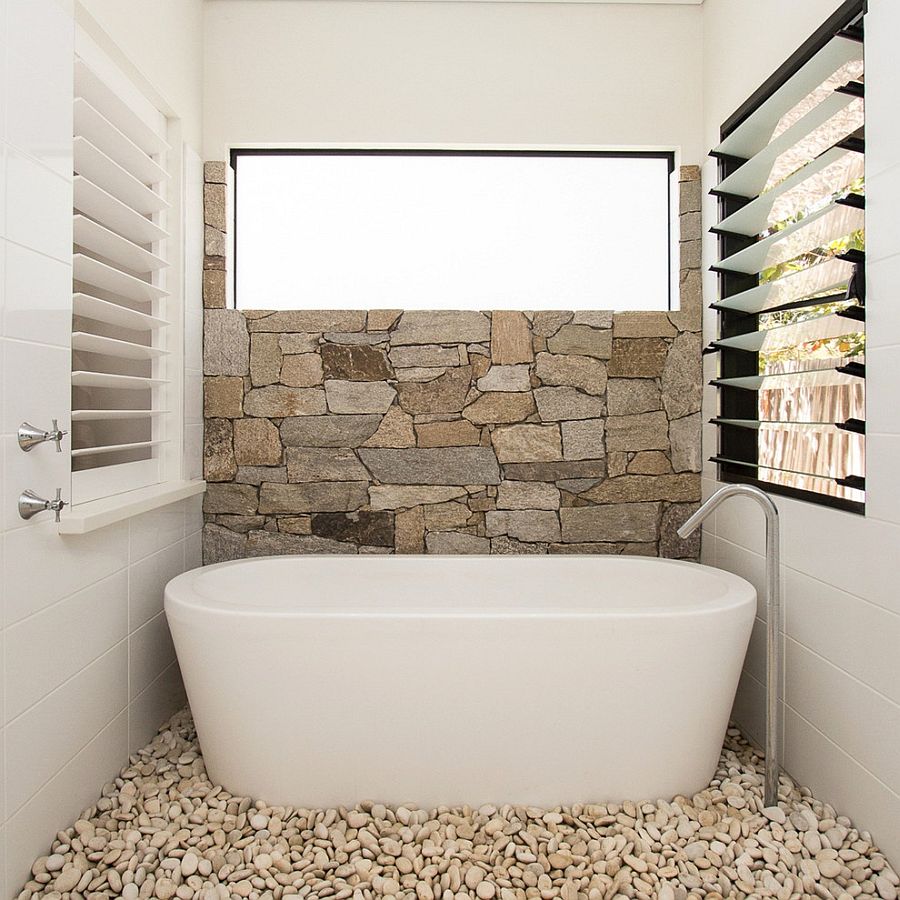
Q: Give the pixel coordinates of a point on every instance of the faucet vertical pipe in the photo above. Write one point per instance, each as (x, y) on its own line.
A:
(774, 652)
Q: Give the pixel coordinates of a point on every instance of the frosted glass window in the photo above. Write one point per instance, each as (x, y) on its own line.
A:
(452, 231)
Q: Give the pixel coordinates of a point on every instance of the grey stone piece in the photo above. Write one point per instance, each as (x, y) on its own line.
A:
(582, 340)
(523, 524)
(500, 407)
(645, 431)
(233, 499)
(226, 344)
(298, 343)
(215, 172)
(670, 545)
(638, 357)
(635, 488)
(357, 337)
(452, 542)
(684, 436)
(395, 430)
(558, 403)
(527, 443)
(359, 396)
(214, 206)
(308, 320)
(506, 378)
(444, 394)
(278, 401)
(265, 359)
(584, 439)
(583, 372)
(332, 496)
(218, 452)
(682, 382)
(401, 496)
(258, 474)
(374, 529)
(323, 464)
(547, 322)
(328, 431)
(301, 369)
(555, 471)
(629, 396)
(441, 327)
(507, 546)
(632, 522)
(445, 466)
(222, 544)
(427, 356)
(640, 324)
(527, 495)
(274, 543)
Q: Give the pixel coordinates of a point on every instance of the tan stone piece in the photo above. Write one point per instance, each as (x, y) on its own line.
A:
(510, 338)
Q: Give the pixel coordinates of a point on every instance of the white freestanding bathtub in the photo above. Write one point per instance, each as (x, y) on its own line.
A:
(542, 680)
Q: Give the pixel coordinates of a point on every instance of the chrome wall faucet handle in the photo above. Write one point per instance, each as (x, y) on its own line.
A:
(29, 436)
(30, 504)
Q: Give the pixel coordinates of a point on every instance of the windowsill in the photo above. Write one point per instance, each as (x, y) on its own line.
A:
(99, 513)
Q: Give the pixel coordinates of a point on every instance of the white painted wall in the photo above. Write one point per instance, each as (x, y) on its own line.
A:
(88, 667)
(841, 571)
(507, 73)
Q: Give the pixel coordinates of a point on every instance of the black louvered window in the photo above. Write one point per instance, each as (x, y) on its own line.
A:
(791, 307)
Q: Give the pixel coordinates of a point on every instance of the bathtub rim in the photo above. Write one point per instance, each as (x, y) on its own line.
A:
(181, 600)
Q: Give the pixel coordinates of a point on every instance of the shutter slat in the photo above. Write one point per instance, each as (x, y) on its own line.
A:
(820, 327)
(116, 448)
(96, 166)
(827, 224)
(790, 425)
(95, 343)
(116, 382)
(804, 474)
(101, 205)
(94, 237)
(805, 378)
(93, 125)
(104, 415)
(113, 314)
(104, 99)
(91, 271)
(756, 131)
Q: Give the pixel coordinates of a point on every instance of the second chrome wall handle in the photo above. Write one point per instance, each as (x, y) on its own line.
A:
(30, 504)
(29, 436)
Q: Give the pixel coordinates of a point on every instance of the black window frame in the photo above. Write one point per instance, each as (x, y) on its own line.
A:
(742, 443)
(668, 155)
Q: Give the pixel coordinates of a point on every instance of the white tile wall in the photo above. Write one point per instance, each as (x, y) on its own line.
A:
(840, 571)
(86, 661)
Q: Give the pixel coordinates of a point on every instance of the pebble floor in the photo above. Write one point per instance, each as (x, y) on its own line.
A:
(163, 830)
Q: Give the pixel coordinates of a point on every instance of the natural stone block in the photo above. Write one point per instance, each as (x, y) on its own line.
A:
(557, 403)
(355, 363)
(442, 326)
(547, 322)
(265, 359)
(215, 172)
(582, 372)
(582, 340)
(636, 522)
(689, 173)
(629, 396)
(506, 378)
(357, 337)
(507, 546)
(298, 343)
(373, 528)
(616, 463)
(684, 436)
(638, 358)
(690, 196)
(583, 439)
(329, 431)
(359, 396)
(323, 464)
(218, 454)
(596, 318)
(444, 394)
(258, 474)
(400, 496)
(690, 254)
(605, 549)
(213, 242)
(527, 443)
(273, 543)
(419, 373)
(301, 370)
(527, 495)
(308, 320)
(646, 431)
(576, 485)
(214, 288)
(650, 462)
(222, 545)
(682, 382)
(395, 430)
(241, 524)
(524, 525)
(637, 488)
(671, 546)
(256, 443)
(510, 339)
(555, 471)
(382, 319)
(691, 226)
(226, 344)
(500, 407)
(231, 499)
(451, 542)
(409, 531)
(458, 433)
(331, 496)
(640, 324)
(214, 262)
(446, 516)
(278, 401)
(214, 206)
(456, 465)
(296, 524)
(426, 356)
(223, 397)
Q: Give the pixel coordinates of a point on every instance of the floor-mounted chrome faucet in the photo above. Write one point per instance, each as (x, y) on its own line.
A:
(30, 437)
(774, 650)
(30, 504)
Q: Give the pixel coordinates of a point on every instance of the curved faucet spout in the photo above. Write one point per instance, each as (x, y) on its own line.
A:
(774, 652)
